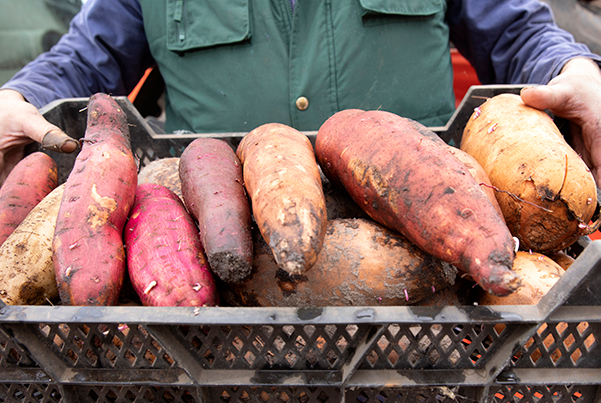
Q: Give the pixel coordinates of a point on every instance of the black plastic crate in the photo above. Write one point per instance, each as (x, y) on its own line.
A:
(548, 352)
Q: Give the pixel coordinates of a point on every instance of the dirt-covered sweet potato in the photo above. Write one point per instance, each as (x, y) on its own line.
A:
(88, 252)
(214, 194)
(360, 263)
(412, 183)
(165, 259)
(26, 268)
(283, 182)
(547, 194)
(32, 179)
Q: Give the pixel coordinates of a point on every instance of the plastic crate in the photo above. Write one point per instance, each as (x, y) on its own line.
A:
(548, 352)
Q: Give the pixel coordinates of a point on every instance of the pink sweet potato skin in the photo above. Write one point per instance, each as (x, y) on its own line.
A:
(165, 259)
(411, 183)
(88, 252)
(32, 179)
(214, 194)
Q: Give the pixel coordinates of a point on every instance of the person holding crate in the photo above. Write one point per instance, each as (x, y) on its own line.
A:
(230, 66)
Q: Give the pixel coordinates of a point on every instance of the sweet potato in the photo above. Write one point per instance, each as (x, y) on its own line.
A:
(165, 259)
(283, 181)
(164, 172)
(562, 259)
(32, 179)
(547, 194)
(88, 252)
(360, 263)
(411, 183)
(26, 268)
(538, 272)
(214, 194)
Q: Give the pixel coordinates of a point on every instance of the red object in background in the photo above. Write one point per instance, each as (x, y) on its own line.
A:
(464, 75)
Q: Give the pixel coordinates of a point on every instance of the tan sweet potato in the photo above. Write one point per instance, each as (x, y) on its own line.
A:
(165, 259)
(412, 183)
(547, 194)
(361, 263)
(214, 194)
(26, 268)
(88, 252)
(164, 172)
(283, 182)
(538, 272)
(27, 184)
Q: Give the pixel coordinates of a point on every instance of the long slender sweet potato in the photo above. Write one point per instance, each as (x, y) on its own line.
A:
(547, 193)
(165, 259)
(360, 263)
(88, 252)
(413, 184)
(213, 190)
(283, 181)
(26, 269)
(32, 179)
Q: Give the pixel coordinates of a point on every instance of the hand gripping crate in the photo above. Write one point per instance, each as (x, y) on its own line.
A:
(548, 352)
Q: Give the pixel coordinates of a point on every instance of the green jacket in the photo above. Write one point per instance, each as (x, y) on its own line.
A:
(259, 57)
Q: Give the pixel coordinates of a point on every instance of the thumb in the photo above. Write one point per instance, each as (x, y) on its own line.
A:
(57, 140)
(544, 97)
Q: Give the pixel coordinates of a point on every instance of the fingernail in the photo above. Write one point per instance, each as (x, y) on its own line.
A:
(69, 146)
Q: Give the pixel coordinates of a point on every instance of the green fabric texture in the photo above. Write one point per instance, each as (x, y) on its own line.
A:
(230, 66)
(27, 28)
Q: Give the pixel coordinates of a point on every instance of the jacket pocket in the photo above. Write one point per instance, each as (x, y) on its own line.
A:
(197, 24)
(386, 11)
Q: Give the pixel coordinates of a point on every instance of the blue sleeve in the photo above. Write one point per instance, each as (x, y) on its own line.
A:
(105, 50)
(512, 41)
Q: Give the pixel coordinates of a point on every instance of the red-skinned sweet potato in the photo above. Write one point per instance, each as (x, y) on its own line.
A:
(284, 184)
(214, 194)
(165, 259)
(411, 183)
(32, 179)
(88, 252)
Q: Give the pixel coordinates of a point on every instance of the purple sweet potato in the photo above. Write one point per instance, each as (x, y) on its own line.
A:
(214, 194)
(165, 258)
(88, 252)
(32, 179)
(411, 183)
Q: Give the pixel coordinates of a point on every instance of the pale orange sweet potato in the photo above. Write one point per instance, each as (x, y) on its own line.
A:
(32, 179)
(547, 194)
(164, 172)
(283, 182)
(361, 263)
(413, 184)
(538, 272)
(165, 259)
(88, 252)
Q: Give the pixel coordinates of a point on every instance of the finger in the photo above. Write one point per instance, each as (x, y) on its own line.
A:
(57, 140)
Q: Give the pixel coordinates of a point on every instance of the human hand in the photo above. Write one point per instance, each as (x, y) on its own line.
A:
(21, 124)
(575, 94)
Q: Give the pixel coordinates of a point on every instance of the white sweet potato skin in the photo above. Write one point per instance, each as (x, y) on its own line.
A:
(165, 259)
(26, 267)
